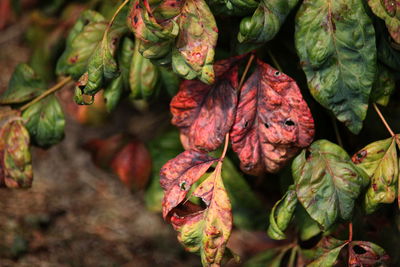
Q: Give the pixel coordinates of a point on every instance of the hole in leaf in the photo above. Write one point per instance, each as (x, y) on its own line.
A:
(359, 250)
(308, 154)
(246, 124)
(277, 73)
(183, 185)
(210, 170)
(289, 122)
(266, 125)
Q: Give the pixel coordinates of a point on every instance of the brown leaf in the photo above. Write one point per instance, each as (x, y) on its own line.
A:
(272, 121)
(179, 174)
(205, 113)
(366, 254)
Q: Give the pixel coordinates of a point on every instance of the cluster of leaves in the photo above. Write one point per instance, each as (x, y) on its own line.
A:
(350, 60)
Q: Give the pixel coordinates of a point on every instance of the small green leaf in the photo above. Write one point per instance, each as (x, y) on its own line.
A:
(282, 214)
(308, 228)
(23, 86)
(388, 10)
(125, 59)
(45, 121)
(232, 7)
(383, 86)
(266, 21)
(170, 81)
(379, 161)
(335, 40)
(327, 252)
(143, 77)
(113, 92)
(327, 182)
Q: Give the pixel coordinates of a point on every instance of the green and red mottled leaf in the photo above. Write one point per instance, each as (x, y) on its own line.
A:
(15, 156)
(327, 182)
(24, 85)
(335, 40)
(194, 53)
(363, 253)
(272, 121)
(379, 161)
(389, 11)
(266, 21)
(179, 174)
(207, 231)
(205, 113)
(326, 252)
(281, 214)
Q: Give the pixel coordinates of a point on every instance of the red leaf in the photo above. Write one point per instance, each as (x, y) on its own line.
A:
(272, 121)
(179, 174)
(366, 254)
(205, 113)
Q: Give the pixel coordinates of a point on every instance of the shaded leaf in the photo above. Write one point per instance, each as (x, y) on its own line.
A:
(113, 92)
(327, 182)
(24, 85)
(232, 7)
(45, 121)
(271, 257)
(383, 86)
(143, 77)
(207, 231)
(15, 156)
(272, 121)
(363, 253)
(282, 214)
(125, 59)
(179, 174)
(170, 81)
(335, 41)
(307, 227)
(205, 113)
(266, 21)
(386, 53)
(327, 252)
(389, 11)
(194, 53)
(379, 161)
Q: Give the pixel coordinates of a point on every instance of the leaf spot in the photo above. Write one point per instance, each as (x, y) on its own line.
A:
(359, 250)
(289, 122)
(182, 185)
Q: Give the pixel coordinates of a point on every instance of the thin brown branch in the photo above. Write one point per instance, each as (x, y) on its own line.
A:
(383, 120)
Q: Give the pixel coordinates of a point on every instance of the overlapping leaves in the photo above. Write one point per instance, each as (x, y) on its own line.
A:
(335, 41)
(389, 11)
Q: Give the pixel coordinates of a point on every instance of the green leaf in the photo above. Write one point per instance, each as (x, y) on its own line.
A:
(327, 182)
(81, 43)
(246, 207)
(386, 53)
(282, 214)
(389, 11)
(379, 161)
(326, 252)
(335, 41)
(271, 257)
(143, 77)
(125, 59)
(45, 121)
(194, 53)
(266, 21)
(24, 85)
(113, 92)
(383, 86)
(15, 156)
(232, 7)
(308, 228)
(170, 81)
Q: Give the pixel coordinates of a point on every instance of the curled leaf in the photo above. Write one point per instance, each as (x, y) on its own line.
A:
(327, 182)
(379, 161)
(205, 113)
(112, 93)
(281, 214)
(335, 40)
(272, 121)
(363, 253)
(327, 252)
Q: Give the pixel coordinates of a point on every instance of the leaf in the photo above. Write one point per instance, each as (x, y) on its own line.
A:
(327, 252)
(208, 230)
(24, 85)
(389, 11)
(112, 94)
(143, 77)
(271, 257)
(125, 59)
(272, 121)
(327, 182)
(205, 113)
(194, 53)
(335, 41)
(15, 157)
(383, 86)
(266, 21)
(363, 253)
(179, 174)
(45, 121)
(232, 7)
(386, 53)
(281, 215)
(307, 227)
(379, 161)
(81, 43)
(170, 81)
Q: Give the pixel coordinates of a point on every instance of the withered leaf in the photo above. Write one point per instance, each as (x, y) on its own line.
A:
(272, 121)
(179, 174)
(205, 113)
(207, 231)
(363, 253)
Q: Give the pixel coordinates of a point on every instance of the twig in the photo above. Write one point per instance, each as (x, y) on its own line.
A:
(383, 120)
(274, 60)
(53, 89)
(350, 232)
(337, 133)
(246, 70)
